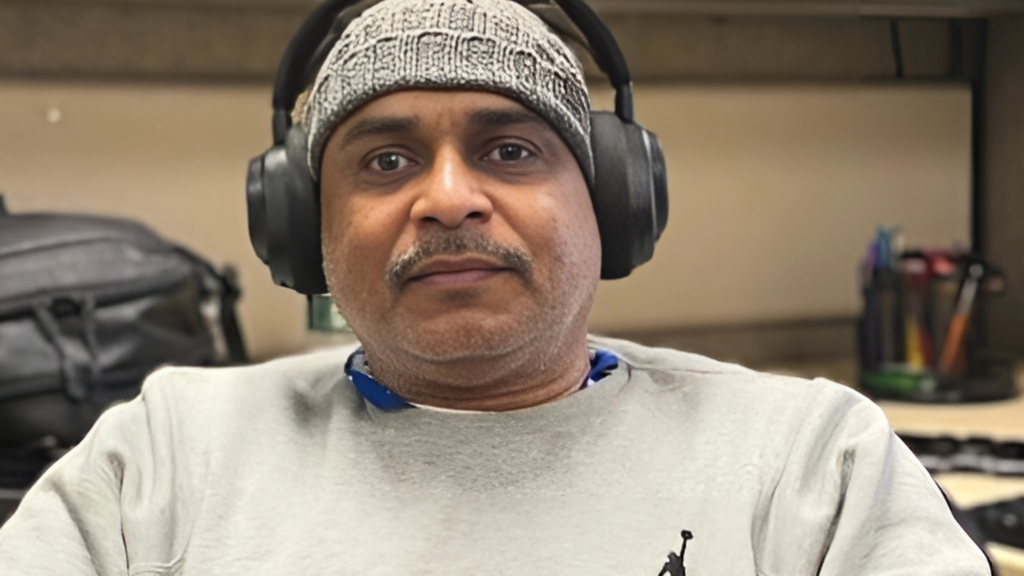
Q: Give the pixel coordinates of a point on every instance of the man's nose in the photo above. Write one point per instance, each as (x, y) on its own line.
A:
(452, 193)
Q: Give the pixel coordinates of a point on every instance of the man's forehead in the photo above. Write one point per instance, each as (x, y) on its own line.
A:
(409, 111)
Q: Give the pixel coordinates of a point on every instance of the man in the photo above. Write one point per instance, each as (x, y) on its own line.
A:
(478, 430)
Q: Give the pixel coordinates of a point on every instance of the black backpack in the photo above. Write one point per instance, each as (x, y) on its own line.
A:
(88, 307)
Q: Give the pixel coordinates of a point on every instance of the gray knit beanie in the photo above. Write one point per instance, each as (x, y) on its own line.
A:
(493, 45)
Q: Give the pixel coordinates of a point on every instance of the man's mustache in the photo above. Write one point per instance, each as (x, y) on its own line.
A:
(463, 243)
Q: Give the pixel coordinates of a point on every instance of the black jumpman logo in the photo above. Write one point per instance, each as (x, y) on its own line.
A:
(674, 566)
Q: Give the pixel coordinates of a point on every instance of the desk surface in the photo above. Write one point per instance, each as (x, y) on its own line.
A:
(998, 420)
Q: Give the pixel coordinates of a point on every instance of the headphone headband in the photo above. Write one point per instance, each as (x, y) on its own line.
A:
(606, 52)
(292, 74)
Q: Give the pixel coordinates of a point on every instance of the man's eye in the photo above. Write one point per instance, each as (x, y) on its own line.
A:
(389, 162)
(509, 153)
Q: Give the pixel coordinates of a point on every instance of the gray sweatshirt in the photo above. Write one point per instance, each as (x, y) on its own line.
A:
(284, 469)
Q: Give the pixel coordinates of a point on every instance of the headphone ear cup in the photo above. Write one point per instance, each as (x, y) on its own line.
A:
(627, 164)
(659, 183)
(284, 215)
(256, 205)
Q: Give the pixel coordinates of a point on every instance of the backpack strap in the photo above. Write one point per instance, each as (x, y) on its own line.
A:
(225, 285)
(229, 317)
(77, 357)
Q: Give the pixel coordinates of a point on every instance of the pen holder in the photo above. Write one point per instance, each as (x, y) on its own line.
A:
(920, 333)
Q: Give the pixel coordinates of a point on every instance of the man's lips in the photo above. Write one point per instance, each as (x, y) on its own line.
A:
(455, 271)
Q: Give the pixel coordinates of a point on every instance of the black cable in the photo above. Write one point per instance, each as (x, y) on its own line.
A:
(897, 51)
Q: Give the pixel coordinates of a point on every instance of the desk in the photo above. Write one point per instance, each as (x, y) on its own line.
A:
(998, 420)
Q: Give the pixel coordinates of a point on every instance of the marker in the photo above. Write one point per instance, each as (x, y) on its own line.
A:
(919, 351)
(958, 325)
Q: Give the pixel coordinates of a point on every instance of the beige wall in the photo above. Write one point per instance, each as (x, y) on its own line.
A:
(774, 190)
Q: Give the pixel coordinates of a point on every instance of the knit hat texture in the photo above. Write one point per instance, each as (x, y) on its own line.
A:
(493, 45)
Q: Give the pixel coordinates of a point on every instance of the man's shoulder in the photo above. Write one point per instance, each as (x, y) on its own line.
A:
(305, 378)
(666, 359)
(688, 376)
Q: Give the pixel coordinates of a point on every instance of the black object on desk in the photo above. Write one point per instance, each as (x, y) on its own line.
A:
(975, 454)
(1001, 522)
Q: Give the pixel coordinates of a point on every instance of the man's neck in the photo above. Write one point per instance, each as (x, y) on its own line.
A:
(519, 379)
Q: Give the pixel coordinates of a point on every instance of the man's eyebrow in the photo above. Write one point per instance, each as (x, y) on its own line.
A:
(497, 118)
(379, 126)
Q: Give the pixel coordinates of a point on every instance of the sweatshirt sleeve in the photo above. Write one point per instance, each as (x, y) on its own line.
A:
(853, 500)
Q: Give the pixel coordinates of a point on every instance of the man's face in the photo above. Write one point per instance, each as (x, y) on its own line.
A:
(457, 226)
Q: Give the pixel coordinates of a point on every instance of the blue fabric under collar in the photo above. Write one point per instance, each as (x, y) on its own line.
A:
(602, 363)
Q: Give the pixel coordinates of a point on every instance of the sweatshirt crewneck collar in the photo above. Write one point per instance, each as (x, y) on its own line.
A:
(602, 363)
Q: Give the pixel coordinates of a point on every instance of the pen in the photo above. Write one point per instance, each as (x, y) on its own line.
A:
(958, 325)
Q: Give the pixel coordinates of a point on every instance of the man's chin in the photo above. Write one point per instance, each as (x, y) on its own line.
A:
(462, 341)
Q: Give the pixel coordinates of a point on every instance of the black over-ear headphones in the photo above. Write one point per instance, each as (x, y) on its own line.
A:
(630, 190)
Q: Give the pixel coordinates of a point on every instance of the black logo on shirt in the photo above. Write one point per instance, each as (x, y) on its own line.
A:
(674, 566)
